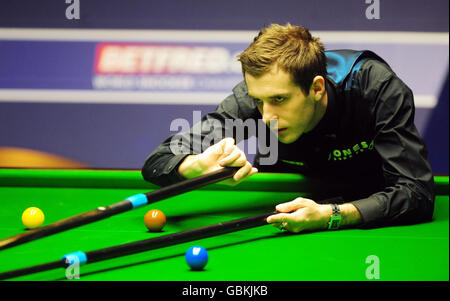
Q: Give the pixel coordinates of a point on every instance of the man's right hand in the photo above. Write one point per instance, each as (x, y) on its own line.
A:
(222, 154)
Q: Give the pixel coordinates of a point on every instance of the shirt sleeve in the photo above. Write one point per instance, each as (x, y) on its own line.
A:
(161, 166)
(408, 196)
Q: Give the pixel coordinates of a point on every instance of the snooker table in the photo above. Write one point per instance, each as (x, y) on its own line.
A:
(410, 252)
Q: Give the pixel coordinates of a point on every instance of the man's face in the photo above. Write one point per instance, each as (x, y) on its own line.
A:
(279, 98)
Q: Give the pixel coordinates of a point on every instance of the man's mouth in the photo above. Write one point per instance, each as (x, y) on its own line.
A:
(282, 130)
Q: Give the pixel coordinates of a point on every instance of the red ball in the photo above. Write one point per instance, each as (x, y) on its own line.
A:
(155, 220)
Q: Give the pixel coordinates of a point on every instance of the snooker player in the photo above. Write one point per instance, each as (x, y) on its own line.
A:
(344, 119)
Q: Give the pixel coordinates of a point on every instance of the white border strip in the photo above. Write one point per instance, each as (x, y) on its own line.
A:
(425, 101)
(383, 37)
(126, 35)
(132, 97)
(225, 36)
(109, 97)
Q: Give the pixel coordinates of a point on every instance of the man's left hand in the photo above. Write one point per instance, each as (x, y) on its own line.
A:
(301, 214)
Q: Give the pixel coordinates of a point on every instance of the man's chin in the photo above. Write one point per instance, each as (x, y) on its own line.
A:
(287, 139)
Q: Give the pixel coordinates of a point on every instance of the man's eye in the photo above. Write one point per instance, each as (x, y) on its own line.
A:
(258, 101)
(279, 99)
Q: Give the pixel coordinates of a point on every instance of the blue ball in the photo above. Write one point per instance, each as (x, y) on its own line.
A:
(196, 257)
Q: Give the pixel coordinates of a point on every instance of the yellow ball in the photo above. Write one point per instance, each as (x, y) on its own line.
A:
(33, 217)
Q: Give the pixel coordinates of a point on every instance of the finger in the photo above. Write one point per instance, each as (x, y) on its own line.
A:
(278, 225)
(280, 221)
(232, 182)
(242, 173)
(216, 149)
(230, 158)
(278, 218)
(293, 205)
(287, 207)
(222, 147)
(236, 158)
(228, 146)
(252, 172)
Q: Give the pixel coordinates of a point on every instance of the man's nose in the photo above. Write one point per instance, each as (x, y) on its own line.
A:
(269, 113)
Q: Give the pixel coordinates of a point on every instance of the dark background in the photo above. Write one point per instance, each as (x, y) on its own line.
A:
(122, 135)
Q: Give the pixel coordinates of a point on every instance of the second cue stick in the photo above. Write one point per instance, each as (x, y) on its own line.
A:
(146, 245)
(128, 204)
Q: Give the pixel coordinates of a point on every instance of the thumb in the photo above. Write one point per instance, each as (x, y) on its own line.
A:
(228, 145)
(221, 147)
(293, 205)
(278, 218)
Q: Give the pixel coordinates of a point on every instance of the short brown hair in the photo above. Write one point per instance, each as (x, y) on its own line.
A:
(292, 48)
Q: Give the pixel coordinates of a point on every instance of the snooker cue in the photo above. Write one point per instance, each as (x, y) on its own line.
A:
(147, 244)
(128, 204)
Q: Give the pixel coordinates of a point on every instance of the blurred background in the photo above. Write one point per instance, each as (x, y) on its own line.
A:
(97, 83)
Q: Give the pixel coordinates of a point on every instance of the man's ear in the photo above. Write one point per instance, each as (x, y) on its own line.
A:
(318, 87)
